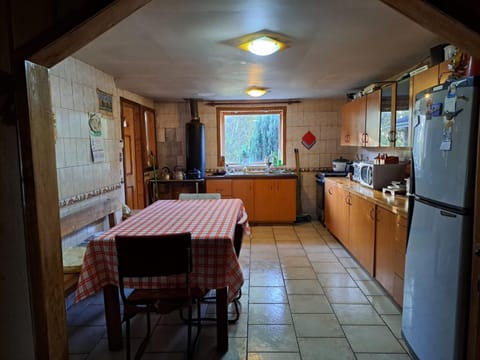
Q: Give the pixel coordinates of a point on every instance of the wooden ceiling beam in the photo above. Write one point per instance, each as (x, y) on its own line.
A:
(444, 25)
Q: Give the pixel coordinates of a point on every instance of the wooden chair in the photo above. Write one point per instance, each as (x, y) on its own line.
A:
(199, 196)
(153, 256)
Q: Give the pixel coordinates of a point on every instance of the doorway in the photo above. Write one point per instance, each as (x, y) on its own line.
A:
(139, 151)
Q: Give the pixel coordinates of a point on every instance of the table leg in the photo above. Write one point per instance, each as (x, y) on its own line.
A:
(113, 317)
(222, 320)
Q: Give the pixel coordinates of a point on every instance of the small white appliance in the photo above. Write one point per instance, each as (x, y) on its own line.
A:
(377, 176)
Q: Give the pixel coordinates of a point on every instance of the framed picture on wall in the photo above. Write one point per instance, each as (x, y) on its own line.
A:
(104, 101)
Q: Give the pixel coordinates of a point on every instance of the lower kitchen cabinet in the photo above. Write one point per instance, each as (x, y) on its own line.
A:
(266, 200)
(361, 241)
(275, 200)
(243, 189)
(337, 212)
(390, 247)
(222, 187)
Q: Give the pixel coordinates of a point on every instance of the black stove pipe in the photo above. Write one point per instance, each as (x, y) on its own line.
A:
(195, 144)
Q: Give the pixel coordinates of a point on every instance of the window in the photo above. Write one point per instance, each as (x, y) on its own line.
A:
(247, 135)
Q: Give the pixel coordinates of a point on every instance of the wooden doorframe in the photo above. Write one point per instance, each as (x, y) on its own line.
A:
(140, 141)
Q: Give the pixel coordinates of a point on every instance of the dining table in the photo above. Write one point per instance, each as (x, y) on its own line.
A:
(216, 226)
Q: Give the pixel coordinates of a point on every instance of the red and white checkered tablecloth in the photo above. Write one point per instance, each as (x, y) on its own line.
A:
(212, 225)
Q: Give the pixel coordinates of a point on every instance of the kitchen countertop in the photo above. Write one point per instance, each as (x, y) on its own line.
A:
(397, 204)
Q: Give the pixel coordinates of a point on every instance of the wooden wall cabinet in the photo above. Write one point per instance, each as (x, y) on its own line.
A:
(353, 118)
(371, 136)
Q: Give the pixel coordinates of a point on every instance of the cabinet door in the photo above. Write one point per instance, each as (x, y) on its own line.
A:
(264, 191)
(353, 122)
(387, 109)
(425, 80)
(401, 136)
(243, 189)
(384, 248)
(371, 138)
(223, 187)
(285, 200)
(330, 206)
(362, 236)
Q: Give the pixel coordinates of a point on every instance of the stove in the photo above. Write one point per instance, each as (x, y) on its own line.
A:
(321, 190)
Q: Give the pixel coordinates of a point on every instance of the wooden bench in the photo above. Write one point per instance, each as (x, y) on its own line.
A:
(77, 221)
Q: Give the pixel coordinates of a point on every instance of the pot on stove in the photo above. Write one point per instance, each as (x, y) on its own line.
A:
(340, 164)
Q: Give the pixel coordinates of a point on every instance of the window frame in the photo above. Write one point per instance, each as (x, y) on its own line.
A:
(251, 110)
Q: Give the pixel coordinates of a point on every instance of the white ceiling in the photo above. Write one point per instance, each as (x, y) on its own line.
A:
(176, 49)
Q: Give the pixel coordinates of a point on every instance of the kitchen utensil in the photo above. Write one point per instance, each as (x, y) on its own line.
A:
(165, 173)
(179, 173)
(339, 165)
(194, 174)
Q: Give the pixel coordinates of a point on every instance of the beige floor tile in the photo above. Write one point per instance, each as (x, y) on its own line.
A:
(339, 295)
(274, 356)
(303, 287)
(264, 255)
(265, 295)
(291, 252)
(293, 272)
(272, 338)
(328, 268)
(357, 314)
(322, 257)
(370, 287)
(316, 248)
(82, 339)
(317, 325)
(266, 278)
(382, 357)
(384, 305)
(265, 265)
(294, 244)
(309, 304)
(169, 338)
(286, 237)
(336, 280)
(348, 262)
(301, 261)
(325, 349)
(358, 273)
(341, 253)
(394, 322)
(269, 314)
(376, 339)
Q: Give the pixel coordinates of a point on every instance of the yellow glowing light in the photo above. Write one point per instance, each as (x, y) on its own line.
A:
(255, 91)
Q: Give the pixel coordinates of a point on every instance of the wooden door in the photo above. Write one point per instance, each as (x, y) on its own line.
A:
(384, 243)
(399, 251)
(149, 138)
(132, 155)
(243, 189)
(371, 137)
(329, 206)
(362, 236)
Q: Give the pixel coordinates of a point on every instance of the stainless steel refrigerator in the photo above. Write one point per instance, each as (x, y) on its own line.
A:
(437, 269)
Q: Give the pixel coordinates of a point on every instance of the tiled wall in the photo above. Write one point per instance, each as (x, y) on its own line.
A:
(81, 182)
(321, 117)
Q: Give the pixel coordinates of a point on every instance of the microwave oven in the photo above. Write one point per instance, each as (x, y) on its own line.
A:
(377, 176)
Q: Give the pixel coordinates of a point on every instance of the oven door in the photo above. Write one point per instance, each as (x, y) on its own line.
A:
(366, 175)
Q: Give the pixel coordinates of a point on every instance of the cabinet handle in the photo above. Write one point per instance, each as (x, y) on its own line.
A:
(330, 191)
(347, 138)
(366, 138)
(372, 214)
(348, 199)
(392, 136)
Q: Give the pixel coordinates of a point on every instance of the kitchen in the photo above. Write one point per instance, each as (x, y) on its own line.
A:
(207, 117)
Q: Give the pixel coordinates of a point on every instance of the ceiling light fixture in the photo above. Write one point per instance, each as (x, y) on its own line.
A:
(261, 43)
(256, 91)
(264, 46)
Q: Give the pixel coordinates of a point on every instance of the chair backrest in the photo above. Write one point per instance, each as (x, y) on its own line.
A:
(199, 196)
(148, 256)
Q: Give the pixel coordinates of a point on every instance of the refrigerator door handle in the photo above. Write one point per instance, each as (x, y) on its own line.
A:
(447, 214)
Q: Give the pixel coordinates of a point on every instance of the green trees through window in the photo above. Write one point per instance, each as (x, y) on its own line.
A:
(250, 135)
